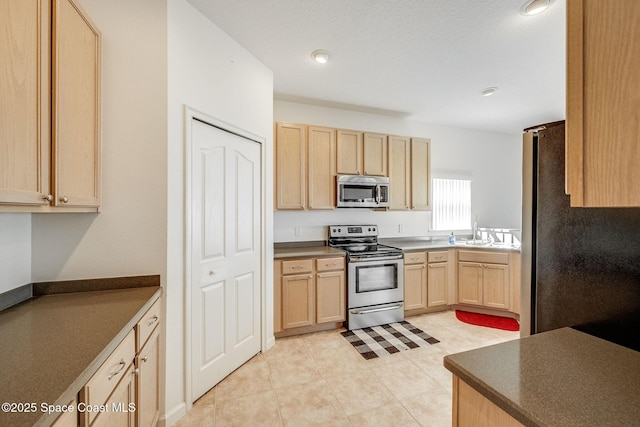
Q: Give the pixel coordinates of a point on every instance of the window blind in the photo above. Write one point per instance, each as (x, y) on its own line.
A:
(451, 204)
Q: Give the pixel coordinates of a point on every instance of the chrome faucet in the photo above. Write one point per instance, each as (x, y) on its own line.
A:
(475, 231)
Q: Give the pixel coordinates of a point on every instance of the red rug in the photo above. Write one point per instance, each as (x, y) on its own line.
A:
(489, 321)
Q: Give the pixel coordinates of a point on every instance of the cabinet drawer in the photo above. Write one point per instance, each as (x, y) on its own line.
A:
(415, 258)
(440, 256)
(105, 380)
(327, 264)
(147, 324)
(489, 257)
(298, 266)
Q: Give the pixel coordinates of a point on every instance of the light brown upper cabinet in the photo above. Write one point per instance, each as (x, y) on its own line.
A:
(349, 146)
(291, 172)
(305, 170)
(322, 168)
(375, 154)
(603, 95)
(76, 107)
(399, 172)
(49, 146)
(361, 153)
(420, 173)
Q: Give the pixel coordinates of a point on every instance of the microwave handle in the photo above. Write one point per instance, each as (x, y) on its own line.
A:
(377, 193)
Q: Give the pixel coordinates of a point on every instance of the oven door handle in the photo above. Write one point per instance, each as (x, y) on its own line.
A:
(375, 310)
(374, 259)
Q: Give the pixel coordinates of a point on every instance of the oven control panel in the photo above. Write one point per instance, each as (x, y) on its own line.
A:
(353, 230)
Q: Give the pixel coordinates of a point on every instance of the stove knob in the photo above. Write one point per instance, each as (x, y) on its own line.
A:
(374, 229)
(334, 230)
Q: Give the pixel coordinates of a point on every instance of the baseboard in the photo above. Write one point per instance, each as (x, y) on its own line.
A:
(172, 417)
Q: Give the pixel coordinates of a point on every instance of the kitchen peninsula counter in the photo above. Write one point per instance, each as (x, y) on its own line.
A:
(559, 378)
(54, 342)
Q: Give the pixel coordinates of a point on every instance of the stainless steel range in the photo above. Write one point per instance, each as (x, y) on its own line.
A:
(375, 279)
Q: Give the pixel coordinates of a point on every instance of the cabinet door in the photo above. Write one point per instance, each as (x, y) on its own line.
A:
(420, 173)
(603, 92)
(76, 107)
(68, 419)
(399, 172)
(298, 301)
(349, 152)
(322, 168)
(437, 284)
(290, 169)
(375, 154)
(148, 390)
(24, 85)
(470, 283)
(330, 296)
(121, 404)
(496, 286)
(415, 286)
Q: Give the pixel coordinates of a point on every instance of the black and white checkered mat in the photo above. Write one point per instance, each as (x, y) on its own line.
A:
(378, 341)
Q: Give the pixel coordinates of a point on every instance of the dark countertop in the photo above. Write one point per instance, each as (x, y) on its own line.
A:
(307, 252)
(558, 378)
(52, 345)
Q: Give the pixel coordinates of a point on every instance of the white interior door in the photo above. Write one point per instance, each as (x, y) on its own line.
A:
(225, 253)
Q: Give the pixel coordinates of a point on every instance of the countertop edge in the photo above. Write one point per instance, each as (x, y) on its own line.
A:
(74, 388)
(488, 392)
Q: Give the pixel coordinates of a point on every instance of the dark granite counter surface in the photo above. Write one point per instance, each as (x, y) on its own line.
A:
(302, 250)
(53, 343)
(557, 378)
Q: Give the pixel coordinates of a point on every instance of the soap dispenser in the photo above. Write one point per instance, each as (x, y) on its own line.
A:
(452, 239)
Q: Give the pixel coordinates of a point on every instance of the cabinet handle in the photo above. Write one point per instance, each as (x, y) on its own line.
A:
(297, 267)
(121, 365)
(330, 265)
(145, 358)
(48, 197)
(212, 272)
(64, 199)
(152, 320)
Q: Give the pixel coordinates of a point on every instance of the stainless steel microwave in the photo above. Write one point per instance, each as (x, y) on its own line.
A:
(356, 191)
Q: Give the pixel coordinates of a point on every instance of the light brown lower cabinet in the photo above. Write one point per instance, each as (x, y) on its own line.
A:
(415, 280)
(309, 292)
(68, 419)
(426, 279)
(120, 408)
(148, 389)
(125, 389)
(471, 409)
(484, 279)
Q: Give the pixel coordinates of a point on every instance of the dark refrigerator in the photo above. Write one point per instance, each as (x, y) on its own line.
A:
(580, 266)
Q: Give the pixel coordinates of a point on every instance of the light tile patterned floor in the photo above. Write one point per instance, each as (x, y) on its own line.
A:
(320, 379)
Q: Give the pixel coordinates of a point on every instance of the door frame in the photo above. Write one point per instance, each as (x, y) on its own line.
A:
(191, 114)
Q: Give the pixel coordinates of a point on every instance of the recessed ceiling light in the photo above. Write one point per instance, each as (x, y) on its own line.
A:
(534, 7)
(320, 56)
(489, 91)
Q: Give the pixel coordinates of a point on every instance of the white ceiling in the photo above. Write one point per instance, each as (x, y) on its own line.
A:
(425, 60)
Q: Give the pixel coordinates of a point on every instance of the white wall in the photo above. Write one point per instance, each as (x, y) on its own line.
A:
(492, 160)
(211, 73)
(129, 236)
(15, 250)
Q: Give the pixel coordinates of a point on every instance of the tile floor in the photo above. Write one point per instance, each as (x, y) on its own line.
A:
(320, 379)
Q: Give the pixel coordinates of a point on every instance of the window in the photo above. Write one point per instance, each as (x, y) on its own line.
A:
(451, 204)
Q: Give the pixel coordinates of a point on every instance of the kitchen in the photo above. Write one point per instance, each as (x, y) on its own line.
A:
(140, 228)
